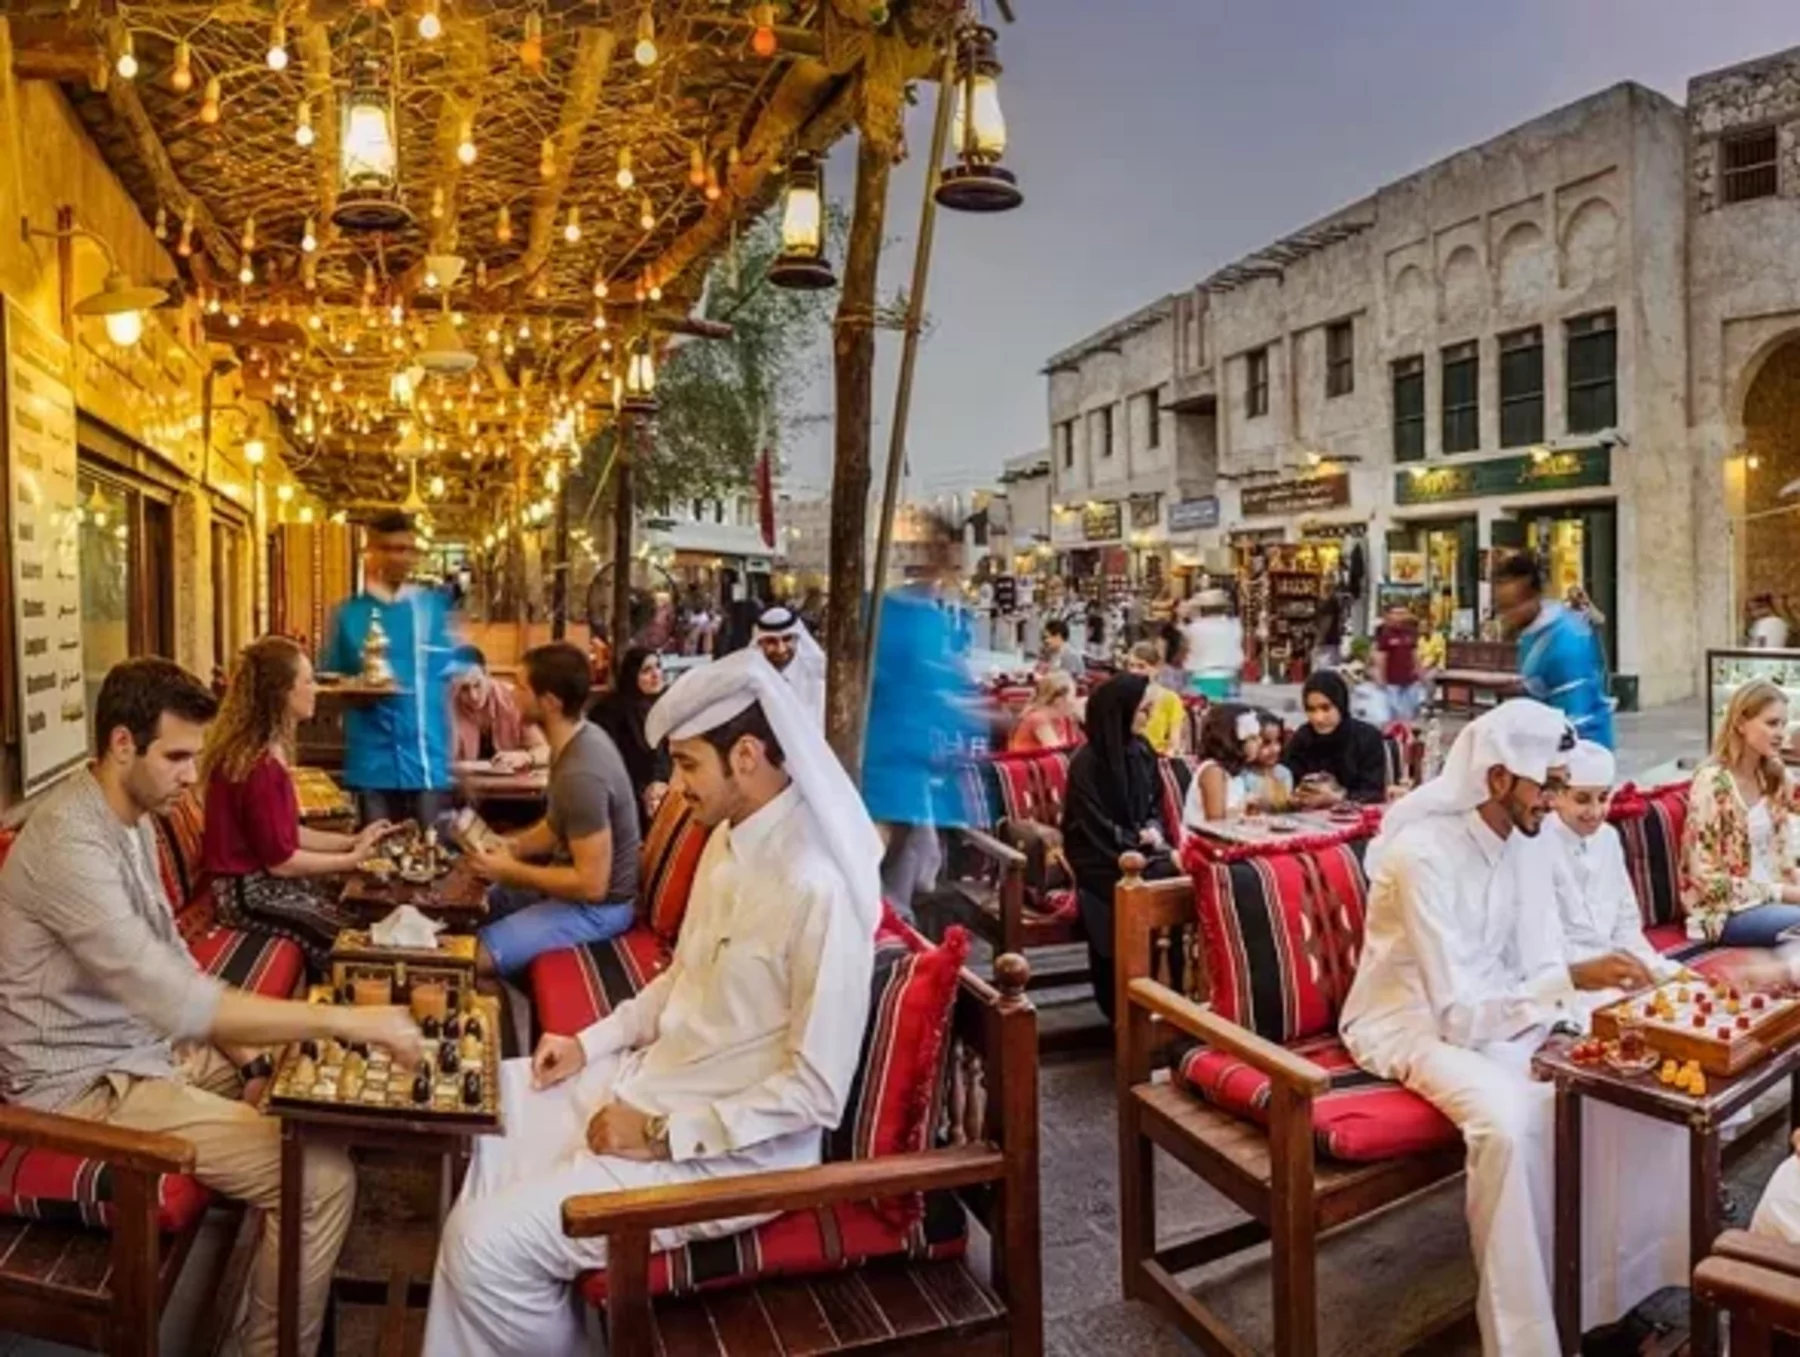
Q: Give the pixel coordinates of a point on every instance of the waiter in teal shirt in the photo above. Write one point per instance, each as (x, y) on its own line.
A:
(397, 749)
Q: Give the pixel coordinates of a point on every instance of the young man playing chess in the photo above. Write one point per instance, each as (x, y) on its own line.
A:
(1462, 977)
(734, 1060)
(105, 1016)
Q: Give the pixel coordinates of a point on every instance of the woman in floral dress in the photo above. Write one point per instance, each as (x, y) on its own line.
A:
(1738, 882)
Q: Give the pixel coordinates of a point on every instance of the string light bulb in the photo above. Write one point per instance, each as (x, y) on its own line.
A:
(303, 128)
(186, 245)
(162, 222)
(547, 160)
(181, 74)
(278, 56)
(625, 178)
(600, 287)
(246, 272)
(655, 288)
(531, 48)
(713, 191)
(309, 240)
(503, 224)
(248, 240)
(572, 227)
(209, 102)
(127, 64)
(437, 203)
(465, 146)
(762, 35)
(645, 51)
(431, 27)
(696, 166)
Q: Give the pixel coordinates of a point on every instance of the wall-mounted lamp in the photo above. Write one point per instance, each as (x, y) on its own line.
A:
(120, 302)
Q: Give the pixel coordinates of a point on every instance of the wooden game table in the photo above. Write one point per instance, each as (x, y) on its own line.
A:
(459, 897)
(1702, 1115)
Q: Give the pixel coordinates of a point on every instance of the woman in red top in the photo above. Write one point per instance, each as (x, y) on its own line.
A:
(267, 867)
(1048, 721)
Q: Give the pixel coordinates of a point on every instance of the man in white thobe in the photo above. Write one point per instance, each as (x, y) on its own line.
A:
(785, 642)
(1460, 980)
(735, 1060)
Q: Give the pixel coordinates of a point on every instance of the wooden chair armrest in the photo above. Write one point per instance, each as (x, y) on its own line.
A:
(988, 846)
(1743, 1288)
(1298, 1073)
(755, 1194)
(1777, 1255)
(145, 1151)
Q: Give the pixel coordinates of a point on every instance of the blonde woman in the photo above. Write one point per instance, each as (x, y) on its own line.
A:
(1737, 865)
(263, 862)
(1048, 721)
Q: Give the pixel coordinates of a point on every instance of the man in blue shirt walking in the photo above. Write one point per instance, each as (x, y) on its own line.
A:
(397, 749)
(1559, 655)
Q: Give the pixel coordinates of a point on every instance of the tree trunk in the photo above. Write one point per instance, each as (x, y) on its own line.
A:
(853, 352)
(627, 433)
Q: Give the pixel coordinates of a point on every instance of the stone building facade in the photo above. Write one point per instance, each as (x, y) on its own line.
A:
(1487, 354)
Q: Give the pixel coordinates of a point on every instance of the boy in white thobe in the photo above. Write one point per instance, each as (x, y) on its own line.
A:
(1460, 980)
(735, 1060)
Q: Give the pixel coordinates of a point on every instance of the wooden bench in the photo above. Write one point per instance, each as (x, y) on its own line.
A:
(1756, 1281)
(988, 1158)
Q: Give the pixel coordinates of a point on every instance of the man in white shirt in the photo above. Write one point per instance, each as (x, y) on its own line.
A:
(785, 642)
(1461, 979)
(735, 1060)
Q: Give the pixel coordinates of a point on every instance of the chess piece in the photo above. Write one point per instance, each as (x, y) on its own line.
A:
(447, 1057)
(429, 1027)
(453, 1026)
(421, 1089)
(376, 671)
(306, 1074)
(471, 1089)
(470, 1048)
(310, 1049)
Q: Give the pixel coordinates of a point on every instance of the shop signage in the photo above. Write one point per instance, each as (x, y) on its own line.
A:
(1146, 512)
(1576, 469)
(1296, 497)
(1006, 593)
(1194, 515)
(1103, 521)
(1065, 528)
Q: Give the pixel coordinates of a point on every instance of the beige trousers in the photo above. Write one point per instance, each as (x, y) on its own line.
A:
(238, 1154)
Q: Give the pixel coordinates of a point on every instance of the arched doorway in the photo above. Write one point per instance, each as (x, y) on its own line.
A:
(1771, 465)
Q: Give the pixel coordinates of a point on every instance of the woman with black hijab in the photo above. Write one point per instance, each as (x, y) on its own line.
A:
(1334, 757)
(621, 713)
(1112, 807)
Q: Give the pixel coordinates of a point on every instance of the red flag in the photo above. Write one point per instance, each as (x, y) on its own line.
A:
(765, 497)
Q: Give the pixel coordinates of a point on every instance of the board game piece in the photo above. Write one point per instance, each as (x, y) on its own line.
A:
(472, 1026)
(1706, 1027)
(1668, 1071)
(373, 990)
(421, 1089)
(429, 1028)
(453, 1026)
(332, 1052)
(1759, 1001)
(447, 1057)
(306, 1074)
(471, 1088)
(310, 1049)
(430, 1000)
(469, 1049)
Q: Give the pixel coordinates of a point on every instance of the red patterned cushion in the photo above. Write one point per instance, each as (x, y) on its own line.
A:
(67, 1189)
(1358, 1119)
(1279, 937)
(578, 986)
(1650, 825)
(667, 864)
(180, 834)
(802, 1243)
(1032, 784)
(1174, 775)
(256, 962)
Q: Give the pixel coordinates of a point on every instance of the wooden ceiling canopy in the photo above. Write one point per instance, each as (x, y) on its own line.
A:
(551, 96)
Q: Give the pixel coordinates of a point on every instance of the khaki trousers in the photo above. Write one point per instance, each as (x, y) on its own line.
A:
(238, 1154)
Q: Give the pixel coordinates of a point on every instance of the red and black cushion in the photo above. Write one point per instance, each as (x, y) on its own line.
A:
(68, 1189)
(259, 963)
(1174, 775)
(1280, 933)
(576, 987)
(1397, 744)
(1359, 1118)
(667, 864)
(1650, 826)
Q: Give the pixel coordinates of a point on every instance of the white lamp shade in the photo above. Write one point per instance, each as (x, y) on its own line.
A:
(368, 160)
(981, 93)
(802, 218)
(124, 328)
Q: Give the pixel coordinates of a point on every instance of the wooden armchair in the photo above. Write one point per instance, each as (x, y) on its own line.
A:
(1273, 1172)
(99, 1288)
(895, 1305)
(1755, 1280)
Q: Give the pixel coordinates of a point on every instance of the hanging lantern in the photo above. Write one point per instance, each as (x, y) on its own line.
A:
(977, 182)
(802, 263)
(368, 162)
(636, 394)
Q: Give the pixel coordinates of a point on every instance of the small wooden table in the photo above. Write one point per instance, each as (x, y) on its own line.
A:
(459, 897)
(1645, 1095)
(532, 785)
(1259, 829)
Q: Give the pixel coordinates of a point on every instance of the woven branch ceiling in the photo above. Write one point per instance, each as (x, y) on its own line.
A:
(548, 94)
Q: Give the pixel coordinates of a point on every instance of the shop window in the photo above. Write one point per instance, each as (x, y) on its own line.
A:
(229, 576)
(1153, 418)
(1256, 383)
(1100, 431)
(1065, 441)
(1522, 388)
(1462, 398)
(1593, 373)
(1340, 358)
(127, 584)
(1409, 410)
(1748, 165)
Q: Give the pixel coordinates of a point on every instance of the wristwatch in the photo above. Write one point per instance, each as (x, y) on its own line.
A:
(656, 1135)
(259, 1068)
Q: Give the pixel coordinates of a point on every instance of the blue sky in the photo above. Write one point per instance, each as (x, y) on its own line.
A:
(1158, 139)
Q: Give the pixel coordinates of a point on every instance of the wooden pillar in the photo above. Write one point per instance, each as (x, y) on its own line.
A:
(559, 581)
(853, 372)
(629, 429)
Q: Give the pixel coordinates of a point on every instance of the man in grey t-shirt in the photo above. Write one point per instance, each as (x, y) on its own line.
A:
(572, 877)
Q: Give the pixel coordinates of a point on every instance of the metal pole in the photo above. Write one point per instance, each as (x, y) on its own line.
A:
(909, 352)
(559, 582)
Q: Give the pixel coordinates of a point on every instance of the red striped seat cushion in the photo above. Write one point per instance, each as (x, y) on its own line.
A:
(256, 962)
(578, 986)
(1358, 1119)
(667, 863)
(67, 1189)
(1650, 825)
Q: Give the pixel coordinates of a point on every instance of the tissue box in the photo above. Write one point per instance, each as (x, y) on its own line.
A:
(354, 956)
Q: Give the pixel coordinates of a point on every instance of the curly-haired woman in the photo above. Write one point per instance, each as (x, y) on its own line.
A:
(267, 867)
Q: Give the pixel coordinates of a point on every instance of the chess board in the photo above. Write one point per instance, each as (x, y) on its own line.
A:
(1722, 1030)
(326, 1076)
